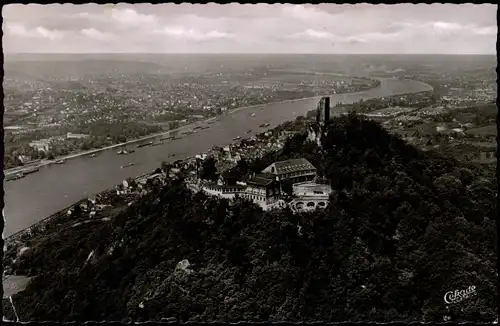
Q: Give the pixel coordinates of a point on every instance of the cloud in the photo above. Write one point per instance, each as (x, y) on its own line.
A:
(444, 28)
(434, 28)
(313, 34)
(40, 32)
(50, 34)
(96, 34)
(355, 40)
(485, 31)
(16, 30)
(323, 36)
(130, 17)
(376, 37)
(193, 34)
(307, 14)
(217, 34)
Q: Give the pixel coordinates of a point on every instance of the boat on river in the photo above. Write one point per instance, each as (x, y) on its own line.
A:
(145, 144)
(82, 171)
(127, 165)
(60, 162)
(32, 170)
(16, 176)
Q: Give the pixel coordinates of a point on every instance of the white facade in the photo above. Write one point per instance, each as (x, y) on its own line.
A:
(310, 196)
(40, 145)
(227, 192)
(311, 189)
(202, 156)
(264, 196)
(69, 135)
(259, 195)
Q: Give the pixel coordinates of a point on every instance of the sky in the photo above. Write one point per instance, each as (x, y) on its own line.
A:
(248, 28)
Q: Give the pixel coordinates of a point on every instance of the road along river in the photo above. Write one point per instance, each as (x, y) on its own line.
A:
(55, 187)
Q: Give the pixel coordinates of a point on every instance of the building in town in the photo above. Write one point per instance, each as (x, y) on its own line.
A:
(295, 170)
(263, 189)
(201, 156)
(70, 135)
(309, 196)
(40, 145)
(223, 191)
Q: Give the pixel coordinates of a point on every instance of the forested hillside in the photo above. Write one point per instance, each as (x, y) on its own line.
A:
(403, 227)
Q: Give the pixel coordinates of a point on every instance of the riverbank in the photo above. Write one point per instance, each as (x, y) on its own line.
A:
(57, 186)
(113, 257)
(16, 236)
(19, 233)
(16, 170)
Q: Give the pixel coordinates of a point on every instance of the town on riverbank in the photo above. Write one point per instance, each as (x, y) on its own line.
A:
(425, 119)
(415, 112)
(244, 170)
(266, 163)
(420, 118)
(88, 118)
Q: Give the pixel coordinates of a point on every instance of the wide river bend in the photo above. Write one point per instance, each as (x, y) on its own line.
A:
(55, 187)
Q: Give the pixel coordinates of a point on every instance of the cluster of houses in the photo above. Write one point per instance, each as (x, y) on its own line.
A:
(265, 188)
(44, 145)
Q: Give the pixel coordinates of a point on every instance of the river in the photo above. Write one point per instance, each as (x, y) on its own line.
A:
(55, 187)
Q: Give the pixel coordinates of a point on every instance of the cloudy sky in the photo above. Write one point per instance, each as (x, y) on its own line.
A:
(262, 28)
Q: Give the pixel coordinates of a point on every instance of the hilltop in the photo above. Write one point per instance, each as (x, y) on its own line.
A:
(402, 228)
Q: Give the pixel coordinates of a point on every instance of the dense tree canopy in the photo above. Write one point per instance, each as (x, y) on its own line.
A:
(402, 228)
(208, 170)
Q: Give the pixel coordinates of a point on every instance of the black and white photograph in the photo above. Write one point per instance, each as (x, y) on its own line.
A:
(250, 163)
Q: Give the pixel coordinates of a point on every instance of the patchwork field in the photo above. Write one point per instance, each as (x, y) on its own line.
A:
(490, 130)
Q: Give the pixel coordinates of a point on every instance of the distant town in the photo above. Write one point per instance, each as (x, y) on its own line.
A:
(263, 163)
(466, 132)
(49, 118)
(258, 169)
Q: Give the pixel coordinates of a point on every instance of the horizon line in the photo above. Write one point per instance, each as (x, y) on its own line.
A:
(242, 53)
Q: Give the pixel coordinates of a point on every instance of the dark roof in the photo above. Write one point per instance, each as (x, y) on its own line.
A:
(266, 175)
(293, 165)
(261, 179)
